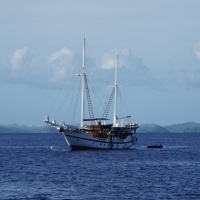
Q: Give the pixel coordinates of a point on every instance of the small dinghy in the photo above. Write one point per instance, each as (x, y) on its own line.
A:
(155, 146)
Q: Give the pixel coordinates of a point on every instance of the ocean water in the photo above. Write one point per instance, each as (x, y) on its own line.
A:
(41, 166)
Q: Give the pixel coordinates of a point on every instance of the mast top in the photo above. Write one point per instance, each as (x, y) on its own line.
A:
(83, 67)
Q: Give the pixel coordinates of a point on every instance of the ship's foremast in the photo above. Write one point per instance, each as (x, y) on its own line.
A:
(115, 93)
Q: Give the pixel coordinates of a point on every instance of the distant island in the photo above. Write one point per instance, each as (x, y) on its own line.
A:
(189, 127)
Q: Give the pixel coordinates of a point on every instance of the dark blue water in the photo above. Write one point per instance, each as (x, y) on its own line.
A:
(40, 166)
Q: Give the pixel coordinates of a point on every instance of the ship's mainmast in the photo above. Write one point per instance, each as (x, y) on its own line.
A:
(83, 85)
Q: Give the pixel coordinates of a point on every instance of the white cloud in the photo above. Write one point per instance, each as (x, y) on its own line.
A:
(109, 59)
(197, 50)
(60, 64)
(58, 56)
(18, 58)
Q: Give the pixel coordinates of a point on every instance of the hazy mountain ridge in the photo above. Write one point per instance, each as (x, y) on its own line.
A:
(15, 128)
(184, 127)
(151, 128)
(188, 127)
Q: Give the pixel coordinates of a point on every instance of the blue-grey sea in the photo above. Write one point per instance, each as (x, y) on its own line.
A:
(41, 166)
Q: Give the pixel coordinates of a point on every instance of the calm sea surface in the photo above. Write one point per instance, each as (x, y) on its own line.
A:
(40, 166)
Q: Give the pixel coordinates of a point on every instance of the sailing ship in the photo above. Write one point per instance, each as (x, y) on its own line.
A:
(97, 134)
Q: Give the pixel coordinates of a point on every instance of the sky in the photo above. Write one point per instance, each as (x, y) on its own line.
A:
(158, 43)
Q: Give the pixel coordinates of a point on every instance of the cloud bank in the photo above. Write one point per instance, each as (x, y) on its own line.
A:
(25, 68)
(50, 72)
(133, 67)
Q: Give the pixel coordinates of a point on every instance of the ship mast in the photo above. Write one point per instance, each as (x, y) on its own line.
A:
(115, 93)
(83, 85)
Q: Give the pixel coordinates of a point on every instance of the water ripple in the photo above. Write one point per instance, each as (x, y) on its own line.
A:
(41, 166)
